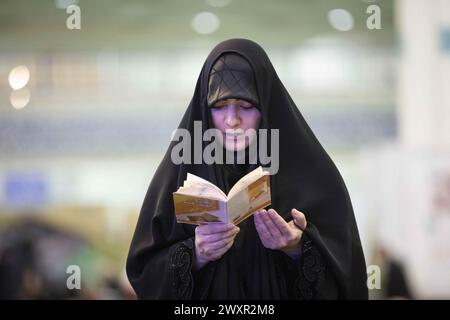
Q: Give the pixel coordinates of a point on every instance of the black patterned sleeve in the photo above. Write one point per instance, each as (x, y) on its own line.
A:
(181, 269)
(311, 271)
(305, 276)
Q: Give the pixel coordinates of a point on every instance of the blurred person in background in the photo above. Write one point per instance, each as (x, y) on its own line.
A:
(34, 256)
(394, 281)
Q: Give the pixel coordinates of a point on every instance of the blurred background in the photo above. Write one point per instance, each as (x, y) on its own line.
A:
(87, 107)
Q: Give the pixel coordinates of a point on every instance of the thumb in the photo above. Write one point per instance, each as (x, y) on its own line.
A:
(299, 219)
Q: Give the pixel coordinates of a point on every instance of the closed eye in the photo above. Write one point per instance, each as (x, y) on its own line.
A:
(240, 103)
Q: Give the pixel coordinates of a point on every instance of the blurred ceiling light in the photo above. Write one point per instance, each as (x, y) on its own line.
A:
(20, 98)
(19, 77)
(340, 19)
(63, 4)
(320, 68)
(205, 23)
(218, 3)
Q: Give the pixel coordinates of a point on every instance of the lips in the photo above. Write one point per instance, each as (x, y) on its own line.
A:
(233, 137)
(237, 133)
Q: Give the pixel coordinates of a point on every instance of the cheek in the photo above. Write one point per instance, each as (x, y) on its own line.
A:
(216, 119)
(252, 120)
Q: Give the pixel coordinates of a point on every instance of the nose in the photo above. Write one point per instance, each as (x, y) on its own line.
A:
(232, 119)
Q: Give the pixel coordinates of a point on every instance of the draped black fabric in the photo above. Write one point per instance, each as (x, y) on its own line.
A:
(331, 265)
(232, 77)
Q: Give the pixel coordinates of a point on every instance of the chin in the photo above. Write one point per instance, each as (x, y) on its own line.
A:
(235, 146)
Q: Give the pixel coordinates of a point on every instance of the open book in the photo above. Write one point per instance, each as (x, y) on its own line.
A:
(199, 201)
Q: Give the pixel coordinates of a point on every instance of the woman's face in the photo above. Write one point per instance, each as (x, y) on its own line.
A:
(233, 117)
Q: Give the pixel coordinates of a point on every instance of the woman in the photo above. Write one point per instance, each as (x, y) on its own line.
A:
(305, 247)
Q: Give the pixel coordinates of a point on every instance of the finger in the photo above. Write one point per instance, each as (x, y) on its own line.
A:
(257, 212)
(280, 223)
(212, 228)
(219, 253)
(213, 246)
(267, 220)
(209, 238)
(212, 249)
(264, 233)
(204, 241)
(261, 227)
(299, 219)
(220, 245)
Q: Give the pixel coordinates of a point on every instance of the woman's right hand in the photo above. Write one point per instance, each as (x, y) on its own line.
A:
(212, 241)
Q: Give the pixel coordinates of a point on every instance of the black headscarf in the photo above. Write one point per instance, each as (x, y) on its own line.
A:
(332, 263)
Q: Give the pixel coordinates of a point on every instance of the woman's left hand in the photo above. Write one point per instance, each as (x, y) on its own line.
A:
(277, 234)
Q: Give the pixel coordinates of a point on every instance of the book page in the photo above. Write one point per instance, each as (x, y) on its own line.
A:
(201, 191)
(254, 197)
(194, 178)
(199, 187)
(246, 180)
(195, 210)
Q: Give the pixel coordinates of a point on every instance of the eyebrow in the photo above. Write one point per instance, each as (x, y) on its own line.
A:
(224, 102)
